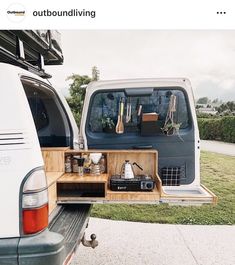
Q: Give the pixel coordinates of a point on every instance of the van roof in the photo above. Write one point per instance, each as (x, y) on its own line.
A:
(6, 68)
(140, 82)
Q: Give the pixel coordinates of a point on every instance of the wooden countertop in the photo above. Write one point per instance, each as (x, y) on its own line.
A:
(71, 151)
(75, 178)
(54, 148)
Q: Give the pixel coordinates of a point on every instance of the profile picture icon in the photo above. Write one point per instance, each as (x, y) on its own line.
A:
(16, 12)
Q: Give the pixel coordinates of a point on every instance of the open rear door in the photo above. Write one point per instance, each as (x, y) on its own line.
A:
(187, 196)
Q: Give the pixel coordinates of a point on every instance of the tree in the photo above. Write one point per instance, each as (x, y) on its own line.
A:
(77, 92)
(228, 107)
(203, 100)
(215, 101)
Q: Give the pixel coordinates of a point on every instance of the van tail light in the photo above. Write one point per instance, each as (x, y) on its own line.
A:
(35, 203)
(35, 220)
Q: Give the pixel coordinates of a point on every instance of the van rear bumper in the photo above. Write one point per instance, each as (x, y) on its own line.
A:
(8, 251)
(44, 248)
(52, 246)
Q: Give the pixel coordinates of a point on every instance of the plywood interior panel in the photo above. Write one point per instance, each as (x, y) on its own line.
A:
(54, 169)
(52, 177)
(53, 159)
(146, 160)
(133, 196)
(52, 196)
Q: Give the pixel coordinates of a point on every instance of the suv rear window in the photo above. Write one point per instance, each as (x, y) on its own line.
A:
(104, 110)
(39, 112)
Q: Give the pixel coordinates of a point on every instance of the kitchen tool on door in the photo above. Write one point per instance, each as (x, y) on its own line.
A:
(127, 170)
(95, 167)
(139, 110)
(128, 110)
(120, 125)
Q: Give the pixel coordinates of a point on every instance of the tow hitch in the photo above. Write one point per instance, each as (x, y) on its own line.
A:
(93, 243)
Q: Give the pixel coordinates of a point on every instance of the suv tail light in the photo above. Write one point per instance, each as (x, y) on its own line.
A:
(35, 203)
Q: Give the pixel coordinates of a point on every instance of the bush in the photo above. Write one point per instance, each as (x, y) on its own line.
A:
(228, 129)
(222, 129)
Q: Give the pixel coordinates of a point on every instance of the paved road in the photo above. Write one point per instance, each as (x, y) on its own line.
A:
(132, 243)
(218, 147)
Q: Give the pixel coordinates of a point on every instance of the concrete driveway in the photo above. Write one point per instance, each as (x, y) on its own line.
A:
(218, 147)
(132, 243)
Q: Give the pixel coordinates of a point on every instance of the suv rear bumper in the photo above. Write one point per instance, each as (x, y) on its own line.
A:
(44, 248)
(52, 246)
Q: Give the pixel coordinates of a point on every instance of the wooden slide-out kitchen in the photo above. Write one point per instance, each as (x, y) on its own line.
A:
(65, 188)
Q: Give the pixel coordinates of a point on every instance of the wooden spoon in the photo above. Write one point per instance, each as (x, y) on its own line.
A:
(120, 124)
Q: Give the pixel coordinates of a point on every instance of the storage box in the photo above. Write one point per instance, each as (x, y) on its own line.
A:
(149, 128)
(149, 116)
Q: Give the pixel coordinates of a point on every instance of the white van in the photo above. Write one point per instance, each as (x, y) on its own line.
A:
(34, 230)
(34, 117)
(45, 206)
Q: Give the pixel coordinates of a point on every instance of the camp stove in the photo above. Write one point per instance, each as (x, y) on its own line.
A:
(138, 183)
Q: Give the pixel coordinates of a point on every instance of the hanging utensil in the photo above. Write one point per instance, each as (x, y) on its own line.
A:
(128, 110)
(120, 125)
(139, 110)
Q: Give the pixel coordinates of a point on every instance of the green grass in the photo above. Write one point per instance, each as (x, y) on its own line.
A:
(218, 174)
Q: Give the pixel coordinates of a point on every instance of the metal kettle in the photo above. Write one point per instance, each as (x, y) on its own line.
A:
(127, 170)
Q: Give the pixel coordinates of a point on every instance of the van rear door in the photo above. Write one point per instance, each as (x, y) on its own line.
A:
(179, 154)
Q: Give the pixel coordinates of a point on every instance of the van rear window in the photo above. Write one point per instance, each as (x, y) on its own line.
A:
(39, 112)
(105, 108)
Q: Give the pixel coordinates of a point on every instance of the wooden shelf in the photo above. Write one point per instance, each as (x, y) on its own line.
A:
(147, 159)
(54, 148)
(70, 199)
(72, 188)
(86, 178)
(105, 151)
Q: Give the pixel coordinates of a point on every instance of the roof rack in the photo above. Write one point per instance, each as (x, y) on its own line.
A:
(31, 50)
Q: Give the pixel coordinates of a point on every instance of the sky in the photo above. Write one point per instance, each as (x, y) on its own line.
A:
(206, 57)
